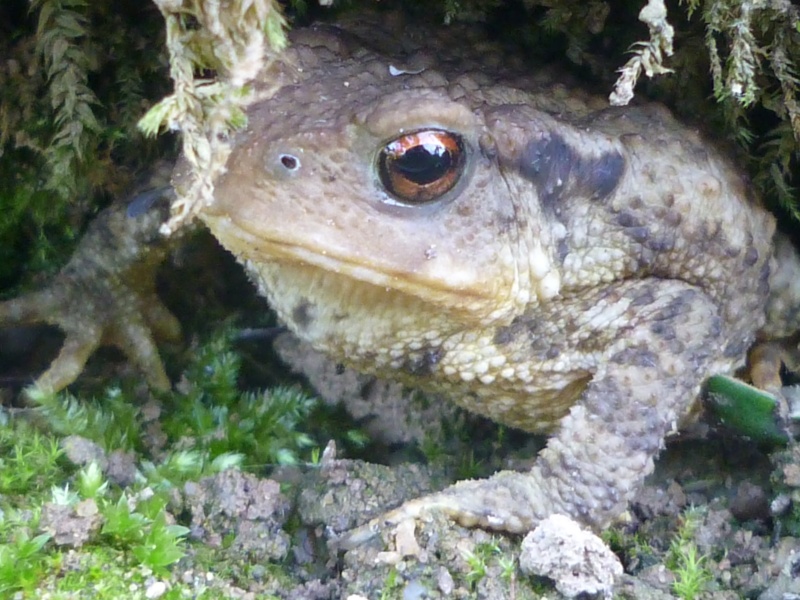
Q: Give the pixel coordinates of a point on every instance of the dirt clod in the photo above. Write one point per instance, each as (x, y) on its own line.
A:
(575, 559)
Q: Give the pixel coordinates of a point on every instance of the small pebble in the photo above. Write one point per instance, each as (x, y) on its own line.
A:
(155, 590)
(414, 590)
(445, 581)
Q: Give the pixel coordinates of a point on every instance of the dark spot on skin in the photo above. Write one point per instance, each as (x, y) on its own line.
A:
(732, 252)
(425, 363)
(675, 307)
(750, 257)
(661, 244)
(665, 331)
(340, 368)
(303, 314)
(672, 218)
(638, 234)
(715, 327)
(554, 167)
(547, 161)
(633, 228)
(636, 357)
(562, 249)
(600, 176)
(522, 325)
(626, 219)
(643, 299)
(645, 260)
(603, 397)
(552, 352)
(503, 335)
(433, 357)
(508, 333)
(763, 280)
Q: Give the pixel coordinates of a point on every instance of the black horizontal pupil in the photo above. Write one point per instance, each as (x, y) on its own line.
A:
(424, 164)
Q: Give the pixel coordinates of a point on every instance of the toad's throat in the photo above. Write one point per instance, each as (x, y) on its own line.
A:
(366, 326)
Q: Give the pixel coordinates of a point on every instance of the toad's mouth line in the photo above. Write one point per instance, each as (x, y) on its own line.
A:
(247, 245)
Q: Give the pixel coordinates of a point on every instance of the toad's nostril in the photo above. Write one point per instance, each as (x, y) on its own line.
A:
(290, 162)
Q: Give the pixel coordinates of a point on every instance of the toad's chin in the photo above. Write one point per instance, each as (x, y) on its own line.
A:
(363, 325)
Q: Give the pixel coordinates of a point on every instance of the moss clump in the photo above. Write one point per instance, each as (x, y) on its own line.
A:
(206, 428)
(210, 416)
(692, 575)
(76, 76)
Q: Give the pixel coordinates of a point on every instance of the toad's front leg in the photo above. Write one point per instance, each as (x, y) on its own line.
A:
(644, 381)
(106, 293)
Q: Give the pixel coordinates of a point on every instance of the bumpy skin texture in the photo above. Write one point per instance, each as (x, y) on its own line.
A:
(589, 269)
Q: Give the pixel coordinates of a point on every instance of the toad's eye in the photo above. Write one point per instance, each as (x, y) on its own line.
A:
(420, 167)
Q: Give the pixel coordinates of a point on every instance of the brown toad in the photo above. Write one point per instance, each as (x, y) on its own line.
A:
(544, 261)
(421, 212)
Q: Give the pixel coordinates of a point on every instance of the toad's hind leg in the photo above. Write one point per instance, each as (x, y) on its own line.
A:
(604, 447)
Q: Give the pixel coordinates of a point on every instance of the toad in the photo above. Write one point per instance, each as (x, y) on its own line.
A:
(419, 209)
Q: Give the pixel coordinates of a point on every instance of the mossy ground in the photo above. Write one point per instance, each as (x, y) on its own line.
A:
(687, 535)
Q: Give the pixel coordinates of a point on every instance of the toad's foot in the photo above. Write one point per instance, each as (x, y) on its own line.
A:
(105, 295)
(502, 502)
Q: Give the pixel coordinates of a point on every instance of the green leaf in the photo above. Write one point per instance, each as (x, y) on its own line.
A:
(748, 410)
(122, 524)
(28, 548)
(162, 546)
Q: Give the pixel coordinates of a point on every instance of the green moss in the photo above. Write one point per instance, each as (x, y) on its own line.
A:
(112, 421)
(265, 427)
(393, 585)
(685, 561)
(214, 420)
(29, 460)
(223, 427)
(75, 78)
(22, 561)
